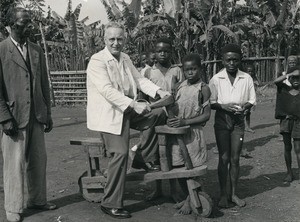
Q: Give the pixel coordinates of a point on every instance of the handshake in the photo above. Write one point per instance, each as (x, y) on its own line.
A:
(143, 107)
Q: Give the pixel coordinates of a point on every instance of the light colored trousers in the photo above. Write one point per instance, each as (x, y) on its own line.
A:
(24, 159)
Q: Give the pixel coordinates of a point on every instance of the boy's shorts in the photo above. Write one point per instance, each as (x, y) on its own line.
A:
(291, 126)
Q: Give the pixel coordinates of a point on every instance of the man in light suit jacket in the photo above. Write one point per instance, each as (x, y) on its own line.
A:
(25, 113)
(112, 83)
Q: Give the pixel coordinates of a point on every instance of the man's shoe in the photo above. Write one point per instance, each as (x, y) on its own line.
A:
(149, 167)
(116, 213)
(47, 206)
(13, 217)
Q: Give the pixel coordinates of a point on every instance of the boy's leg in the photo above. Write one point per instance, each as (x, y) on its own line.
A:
(157, 193)
(247, 123)
(223, 143)
(287, 140)
(237, 138)
(297, 151)
(174, 194)
(184, 207)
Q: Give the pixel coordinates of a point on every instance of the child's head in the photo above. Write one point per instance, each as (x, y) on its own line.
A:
(294, 76)
(151, 58)
(163, 49)
(250, 69)
(143, 59)
(192, 67)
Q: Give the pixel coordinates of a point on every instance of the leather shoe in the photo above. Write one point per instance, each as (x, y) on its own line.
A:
(116, 213)
(149, 167)
(47, 206)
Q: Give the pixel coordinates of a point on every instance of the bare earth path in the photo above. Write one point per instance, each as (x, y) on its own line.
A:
(268, 198)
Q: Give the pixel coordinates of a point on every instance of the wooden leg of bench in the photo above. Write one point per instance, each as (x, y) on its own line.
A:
(187, 159)
(194, 187)
(89, 161)
(163, 155)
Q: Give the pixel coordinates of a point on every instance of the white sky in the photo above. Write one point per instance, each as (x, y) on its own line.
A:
(92, 8)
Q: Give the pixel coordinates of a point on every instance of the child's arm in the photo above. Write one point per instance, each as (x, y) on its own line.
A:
(202, 118)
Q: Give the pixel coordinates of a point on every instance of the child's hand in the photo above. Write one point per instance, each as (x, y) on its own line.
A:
(176, 122)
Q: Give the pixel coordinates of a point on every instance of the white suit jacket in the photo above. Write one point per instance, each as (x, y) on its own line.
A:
(106, 101)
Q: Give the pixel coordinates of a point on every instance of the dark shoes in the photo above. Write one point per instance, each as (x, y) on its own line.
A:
(149, 167)
(116, 213)
(47, 206)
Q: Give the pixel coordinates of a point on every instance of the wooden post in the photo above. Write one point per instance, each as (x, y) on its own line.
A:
(163, 154)
(47, 65)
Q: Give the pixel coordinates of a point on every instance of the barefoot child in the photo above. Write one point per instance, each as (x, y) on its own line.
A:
(288, 111)
(192, 108)
(250, 69)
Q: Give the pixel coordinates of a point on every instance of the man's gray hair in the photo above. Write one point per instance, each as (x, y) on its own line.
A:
(113, 25)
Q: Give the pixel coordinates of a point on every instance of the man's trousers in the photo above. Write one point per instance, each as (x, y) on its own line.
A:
(118, 146)
(24, 159)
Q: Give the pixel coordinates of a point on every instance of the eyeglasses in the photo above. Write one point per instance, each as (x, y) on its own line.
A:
(113, 40)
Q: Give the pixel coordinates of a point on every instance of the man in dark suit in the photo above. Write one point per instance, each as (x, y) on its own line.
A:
(25, 114)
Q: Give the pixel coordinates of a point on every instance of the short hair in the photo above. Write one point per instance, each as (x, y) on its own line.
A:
(290, 70)
(164, 40)
(12, 15)
(113, 25)
(231, 48)
(193, 57)
(292, 57)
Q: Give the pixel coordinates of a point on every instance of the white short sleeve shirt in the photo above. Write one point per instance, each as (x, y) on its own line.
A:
(240, 92)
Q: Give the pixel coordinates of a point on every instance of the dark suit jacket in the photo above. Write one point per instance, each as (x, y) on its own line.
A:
(15, 101)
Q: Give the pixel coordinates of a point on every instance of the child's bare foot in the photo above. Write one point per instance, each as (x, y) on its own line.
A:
(239, 202)
(178, 205)
(248, 129)
(186, 208)
(289, 178)
(223, 203)
(154, 196)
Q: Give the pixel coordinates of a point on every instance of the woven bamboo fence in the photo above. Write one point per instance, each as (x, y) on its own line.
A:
(70, 86)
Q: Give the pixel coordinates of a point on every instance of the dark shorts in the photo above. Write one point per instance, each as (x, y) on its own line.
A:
(291, 126)
(228, 121)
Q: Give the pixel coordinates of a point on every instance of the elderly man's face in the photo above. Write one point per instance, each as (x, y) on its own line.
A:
(22, 25)
(292, 62)
(114, 41)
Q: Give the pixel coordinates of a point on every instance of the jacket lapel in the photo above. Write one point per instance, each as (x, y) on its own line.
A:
(16, 55)
(33, 58)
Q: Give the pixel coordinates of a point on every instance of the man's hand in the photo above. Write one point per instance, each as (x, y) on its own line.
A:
(162, 93)
(176, 122)
(230, 107)
(49, 125)
(10, 127)
(140, 108)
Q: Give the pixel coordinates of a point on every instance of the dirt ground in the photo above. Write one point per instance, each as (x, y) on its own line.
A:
(261, 177)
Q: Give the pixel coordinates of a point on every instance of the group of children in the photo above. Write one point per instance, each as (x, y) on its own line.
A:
(192, 107)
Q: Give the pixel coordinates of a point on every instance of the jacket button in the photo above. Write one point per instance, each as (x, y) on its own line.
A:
(28, 102)
(27, 89)
(26, 76)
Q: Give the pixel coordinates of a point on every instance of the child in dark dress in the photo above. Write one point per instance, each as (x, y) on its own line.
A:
(288, 111)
